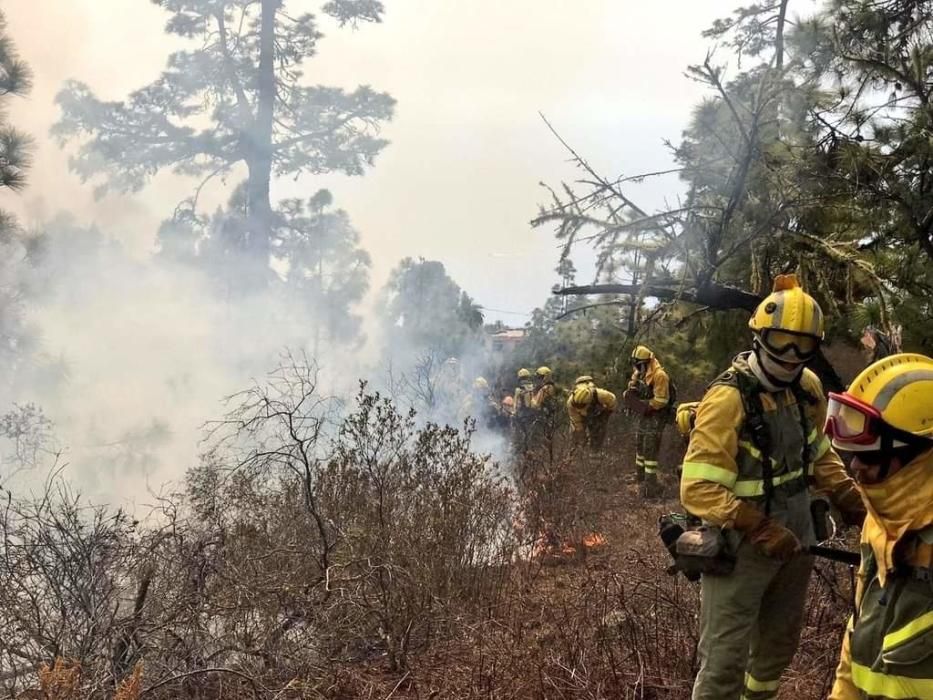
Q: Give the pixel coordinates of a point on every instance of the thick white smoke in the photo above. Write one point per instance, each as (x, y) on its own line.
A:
(131, 357)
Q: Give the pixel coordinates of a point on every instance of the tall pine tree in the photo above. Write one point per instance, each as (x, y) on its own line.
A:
(237, 99)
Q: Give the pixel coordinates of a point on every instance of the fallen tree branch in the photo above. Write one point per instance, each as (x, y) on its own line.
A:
(570, 312)
(714, 296)
(717, 296)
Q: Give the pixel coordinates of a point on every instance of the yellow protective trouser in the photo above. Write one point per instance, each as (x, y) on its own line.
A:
(648, 445)
(750, 624)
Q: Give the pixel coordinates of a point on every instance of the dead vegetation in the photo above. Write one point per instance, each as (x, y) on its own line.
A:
(367, 556)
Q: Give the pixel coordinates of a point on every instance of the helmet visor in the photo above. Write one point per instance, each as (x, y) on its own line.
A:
(788, 346)
(853, 425)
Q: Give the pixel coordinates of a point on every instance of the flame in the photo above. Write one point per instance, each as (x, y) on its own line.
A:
(548, 544)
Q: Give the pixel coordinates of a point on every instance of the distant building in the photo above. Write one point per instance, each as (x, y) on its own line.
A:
(504, 341)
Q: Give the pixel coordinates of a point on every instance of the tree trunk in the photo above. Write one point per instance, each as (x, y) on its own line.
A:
(259, 161)
(779, 38)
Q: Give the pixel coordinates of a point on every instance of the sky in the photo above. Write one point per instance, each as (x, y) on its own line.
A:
(461, 178)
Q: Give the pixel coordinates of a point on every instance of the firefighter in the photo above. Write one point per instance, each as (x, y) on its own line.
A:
(589, 408)
(885, 421)
(480, 405)
(650, 387)
(545, 402)
(522, 412)
(755, 447)
(545, 393)
(449, 393)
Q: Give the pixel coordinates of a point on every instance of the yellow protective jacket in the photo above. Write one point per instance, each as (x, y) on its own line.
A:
(545, 397)
(887, 651)
(523, 400)
(723, 465)
(656, 382)
(603, 404)
(479, 405)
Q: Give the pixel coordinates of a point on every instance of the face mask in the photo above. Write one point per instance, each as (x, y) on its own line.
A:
(780, 373)
(772, 375)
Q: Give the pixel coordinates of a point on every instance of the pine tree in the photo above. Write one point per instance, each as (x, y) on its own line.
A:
(423, 309)
(237, 99)
(15, 158)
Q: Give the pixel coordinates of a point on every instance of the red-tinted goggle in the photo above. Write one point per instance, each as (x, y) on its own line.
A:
(850, 421)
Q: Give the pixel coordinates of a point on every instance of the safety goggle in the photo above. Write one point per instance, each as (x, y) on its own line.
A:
(853, 424)
(789, 346)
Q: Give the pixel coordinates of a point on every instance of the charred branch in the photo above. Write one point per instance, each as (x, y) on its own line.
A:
(716, 296)
(712, 296)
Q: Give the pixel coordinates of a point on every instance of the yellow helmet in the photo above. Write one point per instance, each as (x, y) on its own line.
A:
(480, 383)
(641, 354)
(891, 402)
(686, 413)
(524, 373)
(582, 395)
(789, 322)
(544, 372)
(584, 379)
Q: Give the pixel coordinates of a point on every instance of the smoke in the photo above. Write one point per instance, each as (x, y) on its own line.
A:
(129, 358)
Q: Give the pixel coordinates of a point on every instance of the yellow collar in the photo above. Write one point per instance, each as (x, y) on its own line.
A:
(896, 506)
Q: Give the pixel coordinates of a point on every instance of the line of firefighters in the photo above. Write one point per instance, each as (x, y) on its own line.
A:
(764, 446)
(531, 412)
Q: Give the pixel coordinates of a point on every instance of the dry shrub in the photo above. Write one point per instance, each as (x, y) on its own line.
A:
(318, 555)
(60, 680)
(131, 687)
(422, 523)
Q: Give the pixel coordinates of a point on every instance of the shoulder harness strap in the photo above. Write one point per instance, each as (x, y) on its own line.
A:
(804, 398)
(761, 436)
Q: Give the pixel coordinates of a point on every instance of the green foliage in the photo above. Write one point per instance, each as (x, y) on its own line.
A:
(354, 11)
(15, 158)
(202, 115)
(424, 310)
(322, 267)
(326, 268)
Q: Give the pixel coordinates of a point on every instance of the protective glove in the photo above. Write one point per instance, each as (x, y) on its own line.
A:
(851, 507)
(769, 537)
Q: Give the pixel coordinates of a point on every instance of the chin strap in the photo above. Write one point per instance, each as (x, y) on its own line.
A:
(887, 449)
(905, 454)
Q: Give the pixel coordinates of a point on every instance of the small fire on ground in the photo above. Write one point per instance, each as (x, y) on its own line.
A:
(549, 545)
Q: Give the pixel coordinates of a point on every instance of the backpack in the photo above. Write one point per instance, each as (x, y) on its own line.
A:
(671, 407)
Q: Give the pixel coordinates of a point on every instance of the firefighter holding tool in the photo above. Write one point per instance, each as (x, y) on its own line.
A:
(755, 449)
